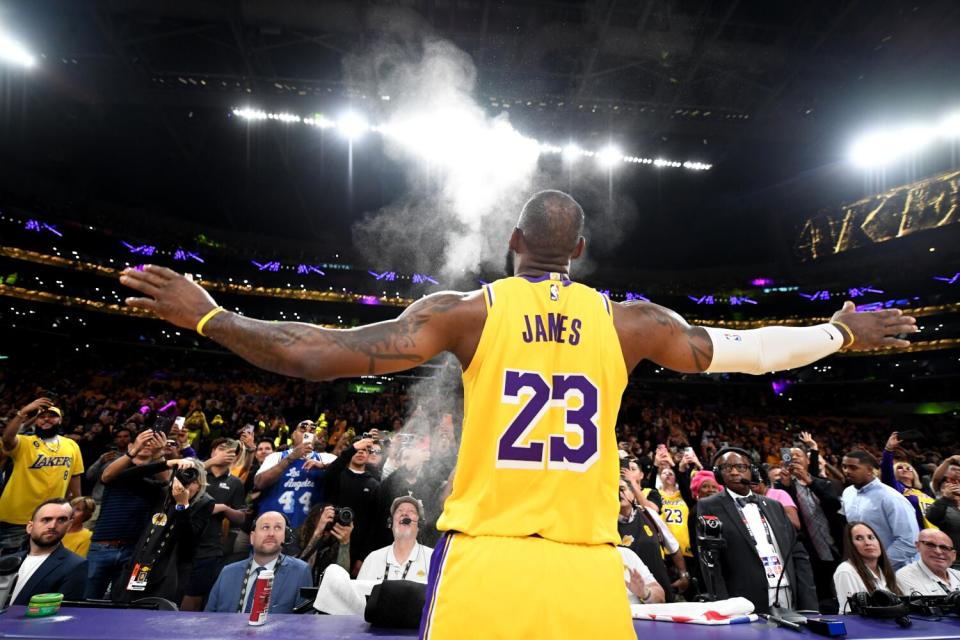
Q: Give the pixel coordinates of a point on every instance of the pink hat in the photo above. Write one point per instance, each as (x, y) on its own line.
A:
(698, 479)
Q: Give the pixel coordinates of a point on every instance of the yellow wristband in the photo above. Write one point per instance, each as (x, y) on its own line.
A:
(205, 319)
(848, 330)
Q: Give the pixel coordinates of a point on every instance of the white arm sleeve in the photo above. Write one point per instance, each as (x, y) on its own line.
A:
(759, 351)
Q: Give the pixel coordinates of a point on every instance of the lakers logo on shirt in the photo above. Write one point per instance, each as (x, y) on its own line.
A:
(626, 541)
(554, 292)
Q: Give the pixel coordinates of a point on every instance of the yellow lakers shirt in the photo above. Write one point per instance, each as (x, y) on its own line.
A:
(538, 454)
(675, 513)
(41, 470)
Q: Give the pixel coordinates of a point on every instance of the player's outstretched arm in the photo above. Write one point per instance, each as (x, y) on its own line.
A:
(651, 332)
(429, 326)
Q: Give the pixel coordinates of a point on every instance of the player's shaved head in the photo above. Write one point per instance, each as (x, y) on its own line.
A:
(552, 223)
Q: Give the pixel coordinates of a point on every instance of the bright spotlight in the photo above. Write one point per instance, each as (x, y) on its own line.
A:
(352, 126)
(883, 147)
(572, 152)
(609, 156)
(13, 51)
(950, 127)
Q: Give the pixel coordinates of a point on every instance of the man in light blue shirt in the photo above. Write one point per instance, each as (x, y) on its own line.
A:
(883, 508)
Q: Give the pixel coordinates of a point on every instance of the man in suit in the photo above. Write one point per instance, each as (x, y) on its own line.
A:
(47, 566)
(760, 541)
(235, 584)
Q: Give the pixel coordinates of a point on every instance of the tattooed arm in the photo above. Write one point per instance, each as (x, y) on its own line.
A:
(444, 321)
(651, 332)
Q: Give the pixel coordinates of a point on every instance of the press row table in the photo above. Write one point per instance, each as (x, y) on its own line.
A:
(138, 624)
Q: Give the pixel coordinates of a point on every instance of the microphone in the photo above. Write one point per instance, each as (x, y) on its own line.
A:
(783, 622)
(406, 520)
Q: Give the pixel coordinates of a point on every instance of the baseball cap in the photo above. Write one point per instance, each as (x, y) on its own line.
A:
(52, 409)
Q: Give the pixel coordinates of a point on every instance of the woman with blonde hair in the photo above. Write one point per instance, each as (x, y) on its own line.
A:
(78, 538)
(901, 475)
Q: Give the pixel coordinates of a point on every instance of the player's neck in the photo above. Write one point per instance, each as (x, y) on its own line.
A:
(534, 267)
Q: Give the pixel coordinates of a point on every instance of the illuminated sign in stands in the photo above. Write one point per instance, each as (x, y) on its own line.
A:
(36, 225)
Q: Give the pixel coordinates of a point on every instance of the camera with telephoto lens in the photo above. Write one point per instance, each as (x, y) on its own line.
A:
(186, 476)
(342, 516)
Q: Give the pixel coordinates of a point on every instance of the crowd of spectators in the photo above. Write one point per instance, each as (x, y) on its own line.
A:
(185, 478)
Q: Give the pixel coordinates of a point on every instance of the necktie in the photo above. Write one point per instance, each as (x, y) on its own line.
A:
(252, 590)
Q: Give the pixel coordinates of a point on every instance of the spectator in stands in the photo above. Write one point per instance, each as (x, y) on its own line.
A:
(323, 542)
(45, 466)
(291, 481)
(350, 484)
(229, 504)
(405, 559)
(886, 511)
(122, 438)
(704, 484)
(642, 531)
(47, 566)
(931, 575)
(944, 512)
(642, 587)
(818, 507)
(765, 488)
(233, 590)
(185, 438)
(632, 472)
(760, 542)
(949, 469)
(901, 475)
(77, 538)
(865, 565)
(241, 466)
(408, 480)
(181, 512)
(127, 504)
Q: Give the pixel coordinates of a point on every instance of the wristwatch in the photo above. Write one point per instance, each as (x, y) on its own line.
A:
(646, 596)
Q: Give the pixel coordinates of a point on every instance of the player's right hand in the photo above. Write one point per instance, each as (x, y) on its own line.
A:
(875, 329)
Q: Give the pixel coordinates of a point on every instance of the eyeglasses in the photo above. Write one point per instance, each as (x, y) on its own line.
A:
(742, 468)
(375, 452)
(933, 545)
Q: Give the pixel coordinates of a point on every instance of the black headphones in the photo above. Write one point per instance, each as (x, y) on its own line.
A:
(755, 474)
(880, 604)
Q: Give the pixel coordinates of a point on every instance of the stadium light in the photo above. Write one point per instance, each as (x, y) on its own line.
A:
(455, 136)
(885, 146)
(352, 126)
(950, 126)
(13, 51)
(609, 156)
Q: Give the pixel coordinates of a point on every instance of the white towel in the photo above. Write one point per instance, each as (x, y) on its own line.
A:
(338, 595)
(731, 611)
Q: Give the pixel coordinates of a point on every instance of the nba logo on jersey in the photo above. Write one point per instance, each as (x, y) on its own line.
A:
(554, 292)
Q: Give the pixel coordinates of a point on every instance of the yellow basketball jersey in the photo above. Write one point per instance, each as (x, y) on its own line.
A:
(675, 513)
(541, 396)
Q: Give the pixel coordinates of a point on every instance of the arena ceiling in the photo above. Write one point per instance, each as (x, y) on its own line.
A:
(130, 104)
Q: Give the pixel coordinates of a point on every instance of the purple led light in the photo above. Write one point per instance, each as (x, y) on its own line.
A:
(636, 296)
(779, 386)
(306, 269)
(33, 225)
(762, 282)
(145, 409)
(738, 300)
(266, 266)
(369, 300)
(819, 295)
(36, 225)
(168, 406)
(954, 279)
(702, 299)
(180, 254)
(605, 292)
(419, 278)
(856, 292)
(389, 276)
(143, 249)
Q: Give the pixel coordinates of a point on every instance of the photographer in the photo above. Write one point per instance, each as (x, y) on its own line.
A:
(324, 539)
(350, 484)
(229, 504)
(181, 513)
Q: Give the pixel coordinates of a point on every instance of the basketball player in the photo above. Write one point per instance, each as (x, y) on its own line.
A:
(531, 523)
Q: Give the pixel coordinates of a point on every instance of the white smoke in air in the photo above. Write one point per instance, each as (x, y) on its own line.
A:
(467, 173)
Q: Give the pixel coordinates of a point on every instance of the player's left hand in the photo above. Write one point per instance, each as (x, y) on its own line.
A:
(170, 296)
(875, 329)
